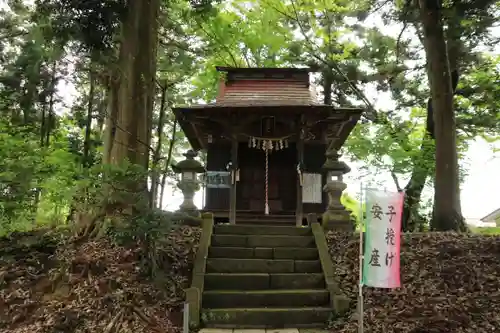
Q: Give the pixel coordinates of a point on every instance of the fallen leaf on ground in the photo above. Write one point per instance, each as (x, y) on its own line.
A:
(450, 283)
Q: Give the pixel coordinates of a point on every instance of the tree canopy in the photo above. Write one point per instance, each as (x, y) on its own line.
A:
(86, 86)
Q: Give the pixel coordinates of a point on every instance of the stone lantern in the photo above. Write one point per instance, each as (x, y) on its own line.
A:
(189, 184)
(336, 216)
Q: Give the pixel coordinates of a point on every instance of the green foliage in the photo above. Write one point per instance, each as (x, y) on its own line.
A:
(149, 230)
(51, 165)
(94, 22)
(112, 189)
(35, 182)
(352, 205)
(477, 103)
(492, 231)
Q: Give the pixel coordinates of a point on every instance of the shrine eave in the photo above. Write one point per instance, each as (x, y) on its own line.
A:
(194, 120)
(264, 107)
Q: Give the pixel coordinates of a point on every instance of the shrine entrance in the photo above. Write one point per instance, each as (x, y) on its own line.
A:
(270, 141)
(280, 192)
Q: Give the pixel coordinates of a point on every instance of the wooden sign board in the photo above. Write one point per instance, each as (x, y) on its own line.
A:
(218, 179)
(312, 189)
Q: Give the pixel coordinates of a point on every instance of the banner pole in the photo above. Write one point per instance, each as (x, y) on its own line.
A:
(360, 288)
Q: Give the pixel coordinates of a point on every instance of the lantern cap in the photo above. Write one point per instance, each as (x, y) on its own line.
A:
(189, 164)
(333, 164)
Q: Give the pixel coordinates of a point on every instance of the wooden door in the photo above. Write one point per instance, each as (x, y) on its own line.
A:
(274, 189)
(252, 186)
(281, 181)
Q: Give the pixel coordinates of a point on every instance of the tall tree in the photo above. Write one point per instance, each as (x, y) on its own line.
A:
(130, 114)
(447, 212)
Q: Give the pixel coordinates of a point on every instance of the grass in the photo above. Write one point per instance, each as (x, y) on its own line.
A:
(486, 230)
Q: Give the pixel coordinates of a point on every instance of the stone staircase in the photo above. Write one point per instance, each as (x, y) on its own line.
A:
(264, 276)
(266, 220)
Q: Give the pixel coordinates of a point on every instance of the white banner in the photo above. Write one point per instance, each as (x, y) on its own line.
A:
(382, 239)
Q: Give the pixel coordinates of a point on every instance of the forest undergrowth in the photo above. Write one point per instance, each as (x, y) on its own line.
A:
(51, 283)
(109, 269)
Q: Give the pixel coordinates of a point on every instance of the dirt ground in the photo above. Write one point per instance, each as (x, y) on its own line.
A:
(49, 284)
(450, 283)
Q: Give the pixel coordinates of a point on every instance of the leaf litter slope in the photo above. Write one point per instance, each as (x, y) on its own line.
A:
(50, 285)
(450, 283)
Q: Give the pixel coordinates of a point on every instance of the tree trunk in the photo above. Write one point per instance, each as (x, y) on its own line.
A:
(421, 169)
(112, 115)
(155, 178)
(455, 49)
(447, 214)
(173, 140)
(132, 92)
(43, 124)
(46, 126)
(51, 119)
(27, 102)
(416, 184)
(327, 86)
(88, 126)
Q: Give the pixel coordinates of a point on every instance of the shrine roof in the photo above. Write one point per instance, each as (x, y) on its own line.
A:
(262, 93)
(245, 94)
(266, 69)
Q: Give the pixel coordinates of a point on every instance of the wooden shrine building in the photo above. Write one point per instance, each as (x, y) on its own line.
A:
(267, 132)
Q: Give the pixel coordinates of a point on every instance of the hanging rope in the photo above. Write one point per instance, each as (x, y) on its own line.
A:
(268, 145)
(267, 183)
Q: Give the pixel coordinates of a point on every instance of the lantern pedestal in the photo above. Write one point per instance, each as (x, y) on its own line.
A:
(189, 188)
(336, 217)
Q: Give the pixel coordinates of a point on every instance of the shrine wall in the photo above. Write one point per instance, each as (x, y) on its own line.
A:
(314, 157)
(282, 188)
(218, 156)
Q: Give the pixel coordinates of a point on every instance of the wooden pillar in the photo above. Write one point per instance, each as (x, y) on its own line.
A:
(234, 172)
(300, 160)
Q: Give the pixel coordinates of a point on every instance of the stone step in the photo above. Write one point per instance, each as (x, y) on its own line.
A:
(266, 222)
(263, 253)
(261, 230)
(261, 281)
(262, 241)
(285, 214)
(231, 265)
(265, 298)
(277, 217)
(266, 317)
